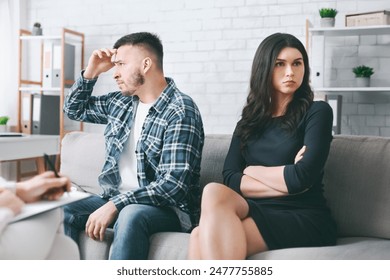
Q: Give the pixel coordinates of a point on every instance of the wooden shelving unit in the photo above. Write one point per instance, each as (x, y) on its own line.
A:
(29, 86)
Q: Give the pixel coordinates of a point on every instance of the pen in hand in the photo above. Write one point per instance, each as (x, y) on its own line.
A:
(52, 168)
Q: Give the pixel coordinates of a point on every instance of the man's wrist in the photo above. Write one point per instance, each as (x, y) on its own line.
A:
(10, 185)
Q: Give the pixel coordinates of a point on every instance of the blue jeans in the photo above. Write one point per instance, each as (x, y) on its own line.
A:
(132, 228)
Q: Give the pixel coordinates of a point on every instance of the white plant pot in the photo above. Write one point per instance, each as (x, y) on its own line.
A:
(327, 22)
(36, 31)
(3, 128)
(362, 81)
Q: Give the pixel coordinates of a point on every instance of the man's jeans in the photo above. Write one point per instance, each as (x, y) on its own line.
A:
(132, 229)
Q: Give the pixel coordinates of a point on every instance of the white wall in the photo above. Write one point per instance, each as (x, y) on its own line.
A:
(209, 44)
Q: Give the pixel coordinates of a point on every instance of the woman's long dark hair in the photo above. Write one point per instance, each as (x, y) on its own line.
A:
(257, 112)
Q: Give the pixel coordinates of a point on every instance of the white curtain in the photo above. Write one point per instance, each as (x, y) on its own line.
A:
(9, 32)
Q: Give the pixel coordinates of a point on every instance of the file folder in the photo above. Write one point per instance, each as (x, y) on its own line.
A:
(46, 114)
(26, 114)
(52, 59)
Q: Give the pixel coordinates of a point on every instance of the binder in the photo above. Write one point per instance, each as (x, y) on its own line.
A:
(52, 63)
(26, 114)
(46, 114)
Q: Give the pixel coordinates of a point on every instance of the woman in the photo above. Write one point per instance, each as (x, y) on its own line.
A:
(273, 192)
(40, 236)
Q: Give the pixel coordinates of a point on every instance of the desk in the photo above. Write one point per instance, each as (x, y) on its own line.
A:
(28, 146)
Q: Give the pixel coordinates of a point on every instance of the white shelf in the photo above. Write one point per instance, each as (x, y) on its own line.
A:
(39, 37)
(346, 89)
(39, 89)
(351, 31)
(68, 39)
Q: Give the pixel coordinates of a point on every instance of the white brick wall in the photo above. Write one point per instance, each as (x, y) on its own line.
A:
(209, 46)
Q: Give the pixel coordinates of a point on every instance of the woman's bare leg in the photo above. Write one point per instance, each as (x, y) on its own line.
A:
(224, 230)
(194, 246)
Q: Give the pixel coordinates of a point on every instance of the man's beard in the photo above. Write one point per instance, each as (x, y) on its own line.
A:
(139, 80)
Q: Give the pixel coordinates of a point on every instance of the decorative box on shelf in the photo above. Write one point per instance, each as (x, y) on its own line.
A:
(370, 18)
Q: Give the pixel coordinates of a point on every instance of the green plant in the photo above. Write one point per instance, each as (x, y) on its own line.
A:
(4, 120)
(37, 24)
(328, 12)
(363, 71)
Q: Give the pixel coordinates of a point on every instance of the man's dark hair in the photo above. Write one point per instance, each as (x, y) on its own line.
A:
(149, 41)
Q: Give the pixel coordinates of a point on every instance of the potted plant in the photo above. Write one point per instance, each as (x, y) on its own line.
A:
(3, 123)
(327, 17)
(363, 74)
(37, 30)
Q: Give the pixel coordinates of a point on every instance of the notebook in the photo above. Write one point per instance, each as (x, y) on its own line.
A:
(31, 209)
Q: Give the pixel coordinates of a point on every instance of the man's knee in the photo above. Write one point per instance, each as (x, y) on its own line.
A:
(132, 214)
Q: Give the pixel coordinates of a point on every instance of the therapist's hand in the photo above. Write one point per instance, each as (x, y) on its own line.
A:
(43, 186)
(9, 200)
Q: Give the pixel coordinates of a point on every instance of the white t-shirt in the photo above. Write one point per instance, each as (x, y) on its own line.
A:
(128, 159)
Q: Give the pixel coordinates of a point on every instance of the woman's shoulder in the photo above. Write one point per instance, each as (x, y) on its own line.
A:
(320, 107)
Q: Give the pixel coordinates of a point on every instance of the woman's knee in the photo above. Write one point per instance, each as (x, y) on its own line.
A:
(194, 234)
(216, 195)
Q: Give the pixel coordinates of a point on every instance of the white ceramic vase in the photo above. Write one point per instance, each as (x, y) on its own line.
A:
(36, 31)
(362, 81)
(327, 22)
(3, 128)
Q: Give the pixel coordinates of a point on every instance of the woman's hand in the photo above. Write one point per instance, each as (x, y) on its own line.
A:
(299, 155)
(43, 186)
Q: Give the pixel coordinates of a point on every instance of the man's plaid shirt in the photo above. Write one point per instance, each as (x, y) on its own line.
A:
(168, 152)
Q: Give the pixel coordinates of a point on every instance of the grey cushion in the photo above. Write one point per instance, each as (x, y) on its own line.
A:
(214, 153)
(357, 185)
(358, 248)
(82, 158)
(169, 246)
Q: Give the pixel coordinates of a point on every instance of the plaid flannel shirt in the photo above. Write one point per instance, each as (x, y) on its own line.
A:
(168, 152)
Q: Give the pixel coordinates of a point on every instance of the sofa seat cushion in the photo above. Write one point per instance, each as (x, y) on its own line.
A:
(169, 246)
(349, 248)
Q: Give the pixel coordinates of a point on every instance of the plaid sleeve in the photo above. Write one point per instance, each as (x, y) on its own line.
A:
(179, 161)
(80, 105)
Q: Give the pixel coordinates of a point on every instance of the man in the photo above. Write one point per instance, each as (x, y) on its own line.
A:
(40, 236)
(154, 139)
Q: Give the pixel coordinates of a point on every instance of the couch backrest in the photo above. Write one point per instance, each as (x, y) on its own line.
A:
(82, 159)
(213, 158)
(357, 185)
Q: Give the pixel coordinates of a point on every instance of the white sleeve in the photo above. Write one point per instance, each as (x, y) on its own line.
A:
(6, 215)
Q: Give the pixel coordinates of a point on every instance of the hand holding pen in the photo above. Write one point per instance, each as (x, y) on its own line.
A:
(51, 167)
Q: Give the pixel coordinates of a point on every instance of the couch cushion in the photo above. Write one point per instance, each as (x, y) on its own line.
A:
(82, 158)
(213, 158)
(357, 185)
(93, 249)
(169, 246)
(351, 248)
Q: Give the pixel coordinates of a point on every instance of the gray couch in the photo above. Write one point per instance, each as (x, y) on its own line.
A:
(357, 186)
